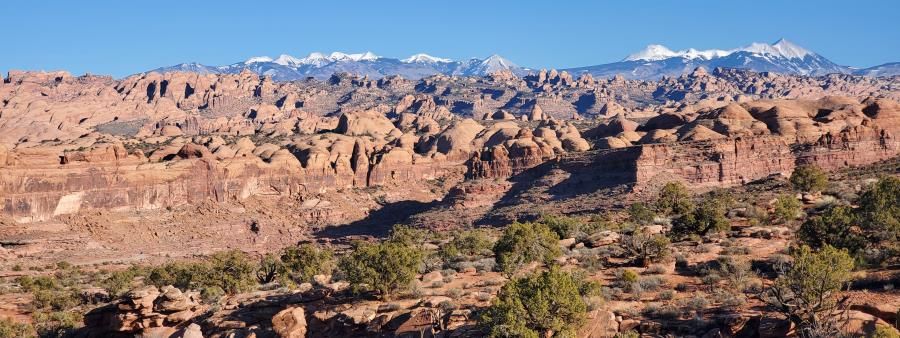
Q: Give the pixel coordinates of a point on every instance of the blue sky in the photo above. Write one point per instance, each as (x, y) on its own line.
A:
(125, 37)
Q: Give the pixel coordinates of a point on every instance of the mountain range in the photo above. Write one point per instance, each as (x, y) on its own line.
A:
(653, 62)
(322, 66)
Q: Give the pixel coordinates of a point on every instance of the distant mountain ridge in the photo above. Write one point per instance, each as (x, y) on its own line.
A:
(656, 61)
(653, 62)
(322, 66)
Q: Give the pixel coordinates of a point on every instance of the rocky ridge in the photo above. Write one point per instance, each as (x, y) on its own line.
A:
(155, 141)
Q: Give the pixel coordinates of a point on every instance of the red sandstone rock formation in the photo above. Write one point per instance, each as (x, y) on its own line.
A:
(157, 140)
(731, 145)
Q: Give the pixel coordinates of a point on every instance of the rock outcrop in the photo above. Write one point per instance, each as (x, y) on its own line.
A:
(728, 145)
(147, 312)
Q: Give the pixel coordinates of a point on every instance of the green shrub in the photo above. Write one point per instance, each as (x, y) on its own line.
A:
(833, 227)
(640, 213)
(879, 211)
(884, 331)
(38, 283)
(541, 304)
(183, 275)
(667, 295)
(48, 293)
(58, 300)
(408, 235)
(674, 199)
(303, 262)
(605, 221)
(211, 294)
(385, 267)
(524, 243)
(628, 334)
(787, 209)
(11, 329)
(466, 245)
(874, 226)
(722, 197)
(708, 217)
(737, 272)
(807, 290)
(645, 248)
(627, 277)
(56, 323)
(233, 271)
(121, 281)
(566, 227)
(809, 178)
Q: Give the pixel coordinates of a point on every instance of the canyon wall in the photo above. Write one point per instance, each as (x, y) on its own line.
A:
(705, 164)
(40, 192)
(719, 163)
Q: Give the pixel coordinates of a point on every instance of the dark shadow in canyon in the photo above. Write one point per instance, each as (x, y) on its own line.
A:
(582, 176)
(379, 222)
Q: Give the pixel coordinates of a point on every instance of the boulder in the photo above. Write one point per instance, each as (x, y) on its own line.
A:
(191, 150)
(173, 300)
(575, 143)
(290, 323)
(599, 324)
(192, 331)
(621, 124)
(537, 113)
(603, 238)
(502, 115)
(365, 123)
(140, 298)
(432, 277)
(612, 143)
(435, 301)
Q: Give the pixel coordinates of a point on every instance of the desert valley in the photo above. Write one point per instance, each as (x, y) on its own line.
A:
(672, 194)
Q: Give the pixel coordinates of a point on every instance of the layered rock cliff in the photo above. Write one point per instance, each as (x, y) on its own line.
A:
(727, 146)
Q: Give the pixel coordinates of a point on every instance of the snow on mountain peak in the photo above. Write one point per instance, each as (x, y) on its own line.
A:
(652, 53)
(367, 56)
(660, 52)
(492, 64)
(708, 54)
(497, 61)
(781, 48)
(315, 59)
(258, 59)
(287, 60)
(424, 58)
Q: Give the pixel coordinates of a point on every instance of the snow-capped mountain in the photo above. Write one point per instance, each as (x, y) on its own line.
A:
(656, 61)
(887, 69)
(492, 64)
(652, 62)
(660, 52)
(425, 58)
(780, 49)
(322, 66)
